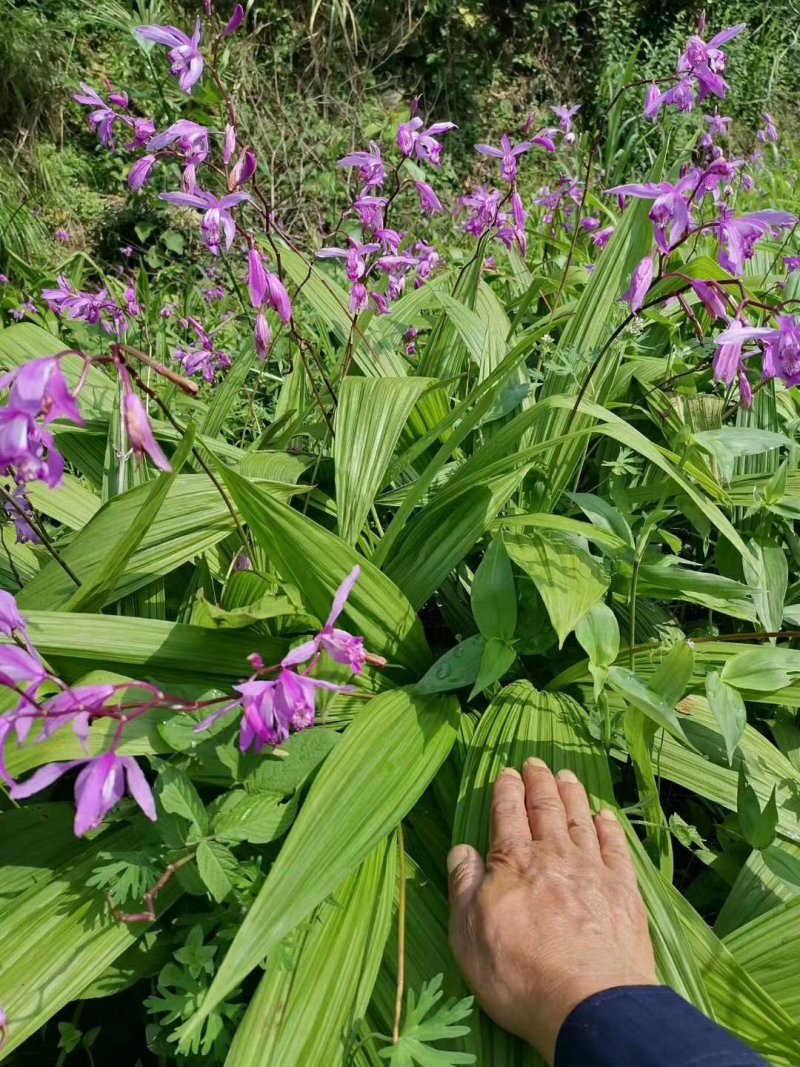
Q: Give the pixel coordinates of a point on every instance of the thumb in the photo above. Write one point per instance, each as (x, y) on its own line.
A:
(465, 870)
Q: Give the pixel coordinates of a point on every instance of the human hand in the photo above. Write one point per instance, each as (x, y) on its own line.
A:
(554, 915)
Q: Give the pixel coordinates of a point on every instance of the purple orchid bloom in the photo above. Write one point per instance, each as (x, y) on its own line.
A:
(40, 388)
(77, 706)
(781, 347)
(262, 335)
(565, 116)
(769, 133)
(140, 172)
(429, 202)
(243, 169)
(792, 263)
(711, 296)
(217, 219)
(737, 236)
(355, 255)
(371, 168)
(102, 118)
(267, 288)
(414, 141)
(143, 130)
(11, 621)
(271, 709)
(339, 644)
(203, 357)
(670, 213)
(20, 511)
(140, 433)
(184, 52)
(190, 140)
(98, 788)
(234, 22)
(370, 210)
(640, 283)
(509, 155)
(26, 449)
(229, 144)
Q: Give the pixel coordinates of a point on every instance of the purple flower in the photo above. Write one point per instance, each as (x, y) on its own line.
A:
(371, 169)
(728, 363)
(640, 283)
(770, 131)
(203, 357)
(429, 202)
(102, 118)
(370, 210)
(229, 144)
(11, 621)
(738, 236)
(602, 237)
(98, 788)
(711, 297)
(243, 169)
(21, 668)
(140, 172)
(355, 255)
(706, 61)
(508, 153)
(20, 511)
(339, 644)
(267, 288)
(217, 219)
(271, 709)
(670, 211)
(27, 451)
(143, 130)
(262, 335)
(140, 433)
(428, 259)
(791, 263)
(590, 224)
(565, 116)
(76, 706)
(184, 52)
(61, 235)
(189, 138)
(40, 388)
(235, 21)
(414, 141)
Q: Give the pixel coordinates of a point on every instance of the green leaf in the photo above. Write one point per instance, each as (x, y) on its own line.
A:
(424, 1024)
(178, 796)
(672, 675)
(598, 635)
(762, 669)
(370, 417)
(728, 443)
(96, 588)
(254, 817)
(376, 608)
(497, 658)
(758, 827)
(768, 579)
(494, 599)
(456, 668)
(728, 709)
(644, 699)
(767, 948)
(217, 866)
(569, 580)
(370, 780)
(317, 986)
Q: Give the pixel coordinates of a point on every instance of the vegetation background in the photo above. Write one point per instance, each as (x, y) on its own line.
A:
(324, 75)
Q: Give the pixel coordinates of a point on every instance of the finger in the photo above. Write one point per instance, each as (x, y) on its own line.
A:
(576, 808)
(614, 847)
(546, 816)
(465, 872)
(509, 825)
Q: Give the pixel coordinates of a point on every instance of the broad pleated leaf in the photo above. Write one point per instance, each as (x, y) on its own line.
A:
(370, 417)
(369, 782)
(312, 995)
(317, 561)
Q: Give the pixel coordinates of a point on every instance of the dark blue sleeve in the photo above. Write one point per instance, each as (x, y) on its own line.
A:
(646, 1026)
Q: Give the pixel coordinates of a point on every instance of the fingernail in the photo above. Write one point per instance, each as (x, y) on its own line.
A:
(567, 776)
(510, 772)
(607, 814)
(456, 856)
(534, 761)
